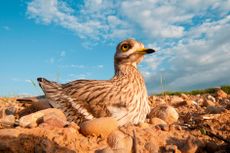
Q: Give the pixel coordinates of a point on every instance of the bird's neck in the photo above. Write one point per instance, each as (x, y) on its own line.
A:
(128, 71)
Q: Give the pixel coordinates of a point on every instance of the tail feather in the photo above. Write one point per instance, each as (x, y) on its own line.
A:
(63, 101)
(52, 90)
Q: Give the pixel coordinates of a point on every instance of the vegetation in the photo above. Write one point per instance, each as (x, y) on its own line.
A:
(225, 88)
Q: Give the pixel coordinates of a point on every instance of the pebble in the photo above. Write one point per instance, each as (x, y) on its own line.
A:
(214, 109)
(221, 94)
(184, 96)
(99, 126)
(119, 141)
(7, 121)
(165, 112)
(176, 99)
(207, 103)
(211, 98)
(156, 121)
(32, 120)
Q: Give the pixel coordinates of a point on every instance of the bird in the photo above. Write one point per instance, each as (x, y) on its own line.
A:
(123, 97)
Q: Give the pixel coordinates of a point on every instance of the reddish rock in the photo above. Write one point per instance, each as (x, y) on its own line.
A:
(50, 115)
(99, 127)
(214, 109)
(7, 121)
(156, 121)
(207, 103)
(118, 141)
(221, 94)
(165, 112)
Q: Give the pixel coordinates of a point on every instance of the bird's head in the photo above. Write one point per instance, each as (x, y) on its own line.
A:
(130, 51)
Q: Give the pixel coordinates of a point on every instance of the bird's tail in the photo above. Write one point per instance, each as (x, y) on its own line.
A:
(54, 92)
(48, 87)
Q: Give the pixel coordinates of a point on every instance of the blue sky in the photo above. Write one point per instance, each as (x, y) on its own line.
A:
(69, 40)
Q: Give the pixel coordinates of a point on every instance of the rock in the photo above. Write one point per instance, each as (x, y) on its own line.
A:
(119, 141)
(176, 99)
(183, 95)
(186, 102)
(32, 120)
(99, 127)
(207, 103)
(165, 112)
(211, 98)
(191, 102)
(221, 94)
(7, 121)
(11, 110)
(214, 109)
(200, 101)
(157, 121)
(54, 121)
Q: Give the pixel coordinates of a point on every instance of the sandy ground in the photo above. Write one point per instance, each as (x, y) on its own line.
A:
(203, 126)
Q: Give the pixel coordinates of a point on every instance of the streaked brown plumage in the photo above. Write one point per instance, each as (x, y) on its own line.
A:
(124, 97)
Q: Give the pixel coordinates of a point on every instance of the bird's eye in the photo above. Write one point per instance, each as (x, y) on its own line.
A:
(125, 47)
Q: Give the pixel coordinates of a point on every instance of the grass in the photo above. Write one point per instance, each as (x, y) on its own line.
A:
(225, 88)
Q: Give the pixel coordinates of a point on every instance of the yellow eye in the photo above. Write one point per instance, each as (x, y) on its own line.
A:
(125, 47)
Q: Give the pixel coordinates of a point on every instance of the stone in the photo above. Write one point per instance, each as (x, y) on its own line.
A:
(32, 120)
(99, 126)
(157, 121)
(8, 121)
(211, 98)
(221, 94)
(11, 110)
(54, 121)
(165, 112)
(183, 95)
(214, 109)
(119, 141)
(207, 103)
(176, 99)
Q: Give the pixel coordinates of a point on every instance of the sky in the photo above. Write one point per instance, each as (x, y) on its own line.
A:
(76, 39)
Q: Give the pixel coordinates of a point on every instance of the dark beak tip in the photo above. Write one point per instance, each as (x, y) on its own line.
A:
(149, 51)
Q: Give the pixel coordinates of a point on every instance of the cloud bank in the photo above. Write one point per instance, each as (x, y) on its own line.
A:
(192, 36)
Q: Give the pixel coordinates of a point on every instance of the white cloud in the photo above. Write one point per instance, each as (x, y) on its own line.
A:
(197, 61)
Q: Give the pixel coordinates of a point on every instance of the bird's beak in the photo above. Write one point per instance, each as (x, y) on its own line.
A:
(145, 51)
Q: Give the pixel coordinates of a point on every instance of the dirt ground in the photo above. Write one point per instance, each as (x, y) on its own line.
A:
(203, 126)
